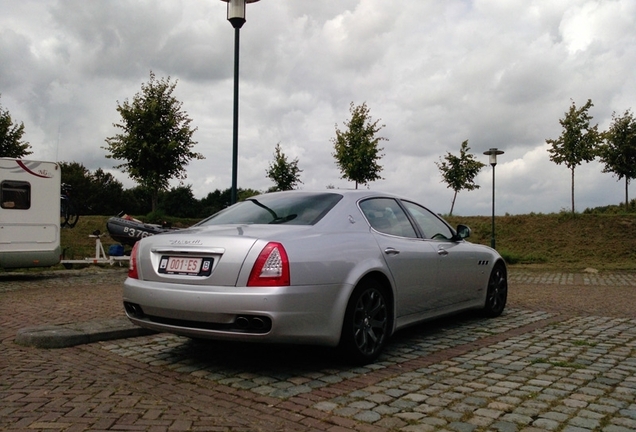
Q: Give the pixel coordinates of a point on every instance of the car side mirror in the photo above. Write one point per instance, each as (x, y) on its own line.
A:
(463, 232)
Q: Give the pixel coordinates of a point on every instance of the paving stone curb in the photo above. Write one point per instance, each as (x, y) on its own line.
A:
(72, 334)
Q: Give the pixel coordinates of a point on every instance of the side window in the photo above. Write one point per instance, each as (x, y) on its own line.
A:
(431, 226)
(15, 195)
(386, 216)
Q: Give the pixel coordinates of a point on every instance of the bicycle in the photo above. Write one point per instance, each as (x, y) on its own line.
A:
(68, 214)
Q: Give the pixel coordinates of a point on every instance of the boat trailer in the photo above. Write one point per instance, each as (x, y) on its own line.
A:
(100, 255)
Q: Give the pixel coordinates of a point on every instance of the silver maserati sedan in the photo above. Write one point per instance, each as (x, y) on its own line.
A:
(337, 268)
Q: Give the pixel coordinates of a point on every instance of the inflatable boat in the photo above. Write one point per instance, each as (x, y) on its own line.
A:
(127, 230)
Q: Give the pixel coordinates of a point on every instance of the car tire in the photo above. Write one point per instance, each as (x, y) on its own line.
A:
(497, 292)
(367, 323)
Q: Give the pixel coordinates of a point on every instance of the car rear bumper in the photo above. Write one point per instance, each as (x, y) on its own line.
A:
(310, 314)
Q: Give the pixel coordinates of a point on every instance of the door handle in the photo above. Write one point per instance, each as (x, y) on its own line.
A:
(391, 251)
(442, 252)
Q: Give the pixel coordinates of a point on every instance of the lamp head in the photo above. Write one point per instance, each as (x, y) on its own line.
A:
(236, 11)
(492, 154)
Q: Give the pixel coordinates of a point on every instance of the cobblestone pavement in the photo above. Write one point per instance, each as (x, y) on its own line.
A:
(561, 358)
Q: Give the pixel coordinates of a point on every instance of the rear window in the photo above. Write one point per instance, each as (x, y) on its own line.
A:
(296, 208)
(15, 195)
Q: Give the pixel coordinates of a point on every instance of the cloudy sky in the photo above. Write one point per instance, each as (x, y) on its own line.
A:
(498, 73)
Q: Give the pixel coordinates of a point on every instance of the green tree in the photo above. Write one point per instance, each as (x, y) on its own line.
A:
(285, 174)
(180, 202)
(216, 201)
(459, 172)
(106, 194)
(618, 152)
(97, 193)
(356, 148)
(156, 141)
(137, 201)
(578, 142)
(78, 177)
(11, 144)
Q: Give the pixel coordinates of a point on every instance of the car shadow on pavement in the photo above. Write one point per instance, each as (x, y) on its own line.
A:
(252, 357)
(282, 371)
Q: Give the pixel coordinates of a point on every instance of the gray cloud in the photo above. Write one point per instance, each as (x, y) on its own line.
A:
(496, 73)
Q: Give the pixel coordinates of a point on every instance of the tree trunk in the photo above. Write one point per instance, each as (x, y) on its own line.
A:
(626, 193)
(572, 190)
(154, 200)
(453, 204)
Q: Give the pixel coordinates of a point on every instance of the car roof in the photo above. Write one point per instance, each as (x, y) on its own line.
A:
(351, 193)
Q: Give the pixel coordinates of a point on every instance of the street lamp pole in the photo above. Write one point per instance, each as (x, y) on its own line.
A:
(236, 17)
(492, 154)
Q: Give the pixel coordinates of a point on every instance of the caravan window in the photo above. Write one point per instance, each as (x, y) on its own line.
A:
(15, 195)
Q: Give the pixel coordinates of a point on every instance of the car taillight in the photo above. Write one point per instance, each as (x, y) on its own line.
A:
(132, 264)
(271, 267)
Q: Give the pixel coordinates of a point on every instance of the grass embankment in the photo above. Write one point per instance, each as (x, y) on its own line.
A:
(545, 242)
(560, 241)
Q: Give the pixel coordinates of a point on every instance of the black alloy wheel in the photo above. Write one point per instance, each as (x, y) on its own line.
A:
(497, 291)
(366, 324)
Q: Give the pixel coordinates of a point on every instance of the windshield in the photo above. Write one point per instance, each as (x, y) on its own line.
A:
(292, 208)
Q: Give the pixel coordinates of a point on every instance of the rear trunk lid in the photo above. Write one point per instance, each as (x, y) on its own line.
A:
(207, 255)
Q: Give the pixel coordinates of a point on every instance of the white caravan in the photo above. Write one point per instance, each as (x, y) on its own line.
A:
(29, 213)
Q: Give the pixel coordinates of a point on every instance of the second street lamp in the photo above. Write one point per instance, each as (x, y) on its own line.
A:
(236, 17)
(492, 154)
